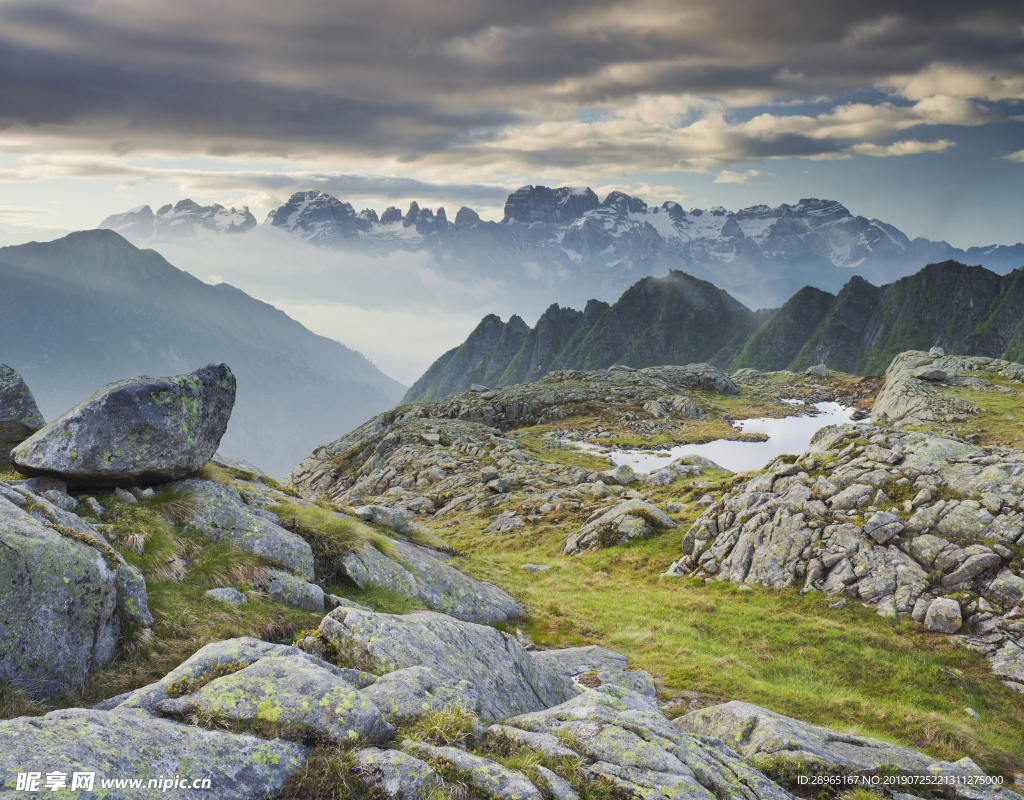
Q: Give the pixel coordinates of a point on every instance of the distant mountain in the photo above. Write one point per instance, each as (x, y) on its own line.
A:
(966, 310)
(91, 308)
(677, 319)
(680, 319)
(568, 243)
(182, 221)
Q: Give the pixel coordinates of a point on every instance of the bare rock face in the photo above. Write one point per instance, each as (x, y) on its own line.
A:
(19, 414)
(148, 430)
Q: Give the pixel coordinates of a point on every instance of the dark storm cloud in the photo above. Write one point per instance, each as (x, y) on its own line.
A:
(406, 79)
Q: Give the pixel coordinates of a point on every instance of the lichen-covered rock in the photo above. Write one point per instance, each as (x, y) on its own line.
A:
(485, 777)
(291, 696)
(624, 521)
(58, 603)
(228, 595)
(596, 662)
(222, 658)
(396, 775)
(292, 591)
(557, 787)
(19, 414)
(508, 680)
(418, 573)
(626, 739)
(119, 746)
(221, 514)
(1006, 589)
(756, 733)
(140, 430)
(407, 694)
(943, 616)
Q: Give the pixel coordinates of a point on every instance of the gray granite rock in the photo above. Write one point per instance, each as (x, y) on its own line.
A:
(507, 679)
(116, 745)
(19, 414)
(140, 430)
(288, 695)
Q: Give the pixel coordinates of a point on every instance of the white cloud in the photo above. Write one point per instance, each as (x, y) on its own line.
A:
(727, 176)
(905, 148)
(955, 81)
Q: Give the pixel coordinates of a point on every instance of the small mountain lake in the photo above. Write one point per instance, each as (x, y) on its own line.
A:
(785, 435)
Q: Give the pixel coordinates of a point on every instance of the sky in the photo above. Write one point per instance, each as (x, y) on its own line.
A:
(909, 112)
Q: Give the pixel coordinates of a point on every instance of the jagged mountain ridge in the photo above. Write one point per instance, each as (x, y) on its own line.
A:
(677, 319)
(681, 320)
(182, 221)
(569, 241)
(91, 308)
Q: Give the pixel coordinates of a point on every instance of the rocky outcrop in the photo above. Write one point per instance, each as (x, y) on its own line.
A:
(631, 519)
(625, 739)
(221, 514)
(916, 384)
(291, 692)
(859, 514)
(133, 745)
(141, 430)
(19, 414)
(66, 596)
(761, 735)
(444, 451)
(419, 573)
(508, 680)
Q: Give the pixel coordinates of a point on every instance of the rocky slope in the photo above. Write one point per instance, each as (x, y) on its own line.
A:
(679, 319)
(438, 703)
(143, 316)
(672, 320)
(761, 255)
(920, 524)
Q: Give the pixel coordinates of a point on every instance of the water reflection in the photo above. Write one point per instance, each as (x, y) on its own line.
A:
(786, 435)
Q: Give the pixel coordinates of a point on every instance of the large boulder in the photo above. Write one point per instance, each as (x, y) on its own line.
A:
(19, 414)
(58, 604)
(221, 658)
(288, 695)
(507, 679)
(140, 430)
(134, 745)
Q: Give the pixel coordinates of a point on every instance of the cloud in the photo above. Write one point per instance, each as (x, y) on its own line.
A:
(1018, 156)
(726, 176)
(486, 89)
(905, 148)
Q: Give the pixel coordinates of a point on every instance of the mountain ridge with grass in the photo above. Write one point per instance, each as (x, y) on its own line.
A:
(679, 319)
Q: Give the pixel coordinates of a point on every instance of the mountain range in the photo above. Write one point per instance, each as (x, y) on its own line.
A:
(90, 308)
(679, 319)
(567, 242)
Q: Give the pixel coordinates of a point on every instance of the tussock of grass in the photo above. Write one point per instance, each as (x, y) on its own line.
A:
(330, 773)
(332, 537)
(175, 504)
(449, 727)
(9, 473)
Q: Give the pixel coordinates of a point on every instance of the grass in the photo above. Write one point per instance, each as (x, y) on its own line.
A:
(844, 668)
(332, 537)
(999, 420)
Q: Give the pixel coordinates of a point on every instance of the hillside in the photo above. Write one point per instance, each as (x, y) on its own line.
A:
(91, 308)
(682, 320)
(677, 319)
